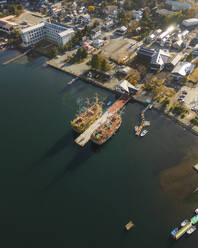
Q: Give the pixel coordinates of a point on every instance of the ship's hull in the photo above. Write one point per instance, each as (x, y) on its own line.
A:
(102, 141)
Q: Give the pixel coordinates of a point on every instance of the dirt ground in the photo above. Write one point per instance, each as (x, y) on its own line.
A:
(118, 48)
(29, 17)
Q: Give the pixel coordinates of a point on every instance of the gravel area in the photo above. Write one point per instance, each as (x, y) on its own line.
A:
(29, 17)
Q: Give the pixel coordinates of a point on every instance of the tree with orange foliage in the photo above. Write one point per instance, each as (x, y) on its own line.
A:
(134, 78)
(91, 9)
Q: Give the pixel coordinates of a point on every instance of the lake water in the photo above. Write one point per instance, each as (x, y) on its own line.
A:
(56, 194)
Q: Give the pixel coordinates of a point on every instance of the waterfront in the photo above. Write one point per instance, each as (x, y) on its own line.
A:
(55, 194)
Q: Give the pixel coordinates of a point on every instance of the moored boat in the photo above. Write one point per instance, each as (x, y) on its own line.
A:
(182, 231)
(143, 133)
(174, 231)
(85, 119)
(106, 129)
(185, 222)
(191, 230)
(136, 128)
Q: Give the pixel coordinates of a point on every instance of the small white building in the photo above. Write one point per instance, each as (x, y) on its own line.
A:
(97, 43)
(95, 33)
(158, 60)
(176, 5)
(137, 14)
(125, 87)
(45, 30)
(190, 22)
(195, 50)
(182, 69)
(178, 44)
(124, 70)
(121, 31)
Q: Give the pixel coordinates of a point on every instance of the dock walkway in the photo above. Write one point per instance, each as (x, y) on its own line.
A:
(15, 58)
(86, 135)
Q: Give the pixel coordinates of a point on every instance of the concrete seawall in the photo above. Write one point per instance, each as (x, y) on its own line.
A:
(141, 99)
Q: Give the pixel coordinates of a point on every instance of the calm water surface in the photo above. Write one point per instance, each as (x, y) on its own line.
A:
(55, 194)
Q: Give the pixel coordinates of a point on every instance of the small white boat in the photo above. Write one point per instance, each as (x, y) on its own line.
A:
(70, 82)
(150, 106)
(191, 230)
(136, 128)
(184, 223)
(143, 133)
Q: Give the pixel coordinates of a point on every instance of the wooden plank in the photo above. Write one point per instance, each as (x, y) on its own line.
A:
(129, 225)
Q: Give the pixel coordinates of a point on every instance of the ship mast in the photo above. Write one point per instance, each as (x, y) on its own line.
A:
(96, 97)
(87, 102)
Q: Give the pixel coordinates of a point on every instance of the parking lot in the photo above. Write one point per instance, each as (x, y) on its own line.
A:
(118, 48)
(191, 98)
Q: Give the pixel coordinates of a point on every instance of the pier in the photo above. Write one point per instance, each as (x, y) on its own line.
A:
(15, 58)
(86, 135)
(143, 121)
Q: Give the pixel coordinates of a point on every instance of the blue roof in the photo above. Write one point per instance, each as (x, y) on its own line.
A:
(179, 4)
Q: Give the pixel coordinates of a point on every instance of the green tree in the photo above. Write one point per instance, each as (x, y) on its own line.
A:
(54, 52)
(95, 61)
(105, 65)
(84, 53)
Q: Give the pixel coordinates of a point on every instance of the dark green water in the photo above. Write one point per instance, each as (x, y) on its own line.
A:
(55, 194)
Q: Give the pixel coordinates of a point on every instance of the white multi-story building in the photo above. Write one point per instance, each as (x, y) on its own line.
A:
(45, 30)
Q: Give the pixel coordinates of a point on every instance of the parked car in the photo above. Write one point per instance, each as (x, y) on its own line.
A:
(181, 100)
(195, 109)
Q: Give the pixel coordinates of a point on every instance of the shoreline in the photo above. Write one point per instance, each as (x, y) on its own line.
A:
(141, 101)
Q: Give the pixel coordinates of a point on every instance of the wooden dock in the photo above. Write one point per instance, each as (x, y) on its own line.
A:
(86, 135)
(15, 58)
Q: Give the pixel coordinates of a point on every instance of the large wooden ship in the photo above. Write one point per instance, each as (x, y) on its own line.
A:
(85, 119)
(106, 129)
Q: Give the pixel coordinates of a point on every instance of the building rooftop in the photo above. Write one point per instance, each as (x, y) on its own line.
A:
(183, 68)
(66, 32)
(39, 25)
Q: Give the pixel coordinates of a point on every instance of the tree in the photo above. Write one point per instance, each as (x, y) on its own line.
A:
(91, 9)
(84, 53)
(95, 61)
(54, 52)
(134, 78)
(105, 65)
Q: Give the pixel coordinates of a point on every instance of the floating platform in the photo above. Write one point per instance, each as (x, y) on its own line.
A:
(129, 225)
(196, 167)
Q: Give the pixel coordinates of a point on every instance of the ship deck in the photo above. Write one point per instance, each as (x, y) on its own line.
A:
(86, 135)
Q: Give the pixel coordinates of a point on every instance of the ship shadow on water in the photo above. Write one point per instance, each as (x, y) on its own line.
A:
(56, 148)
(81, 156)
(60, 145)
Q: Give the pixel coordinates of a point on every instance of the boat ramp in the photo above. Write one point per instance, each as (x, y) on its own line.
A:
(113, 109)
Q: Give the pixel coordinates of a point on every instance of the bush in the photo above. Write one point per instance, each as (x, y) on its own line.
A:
(179, 110)
(194, 121)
